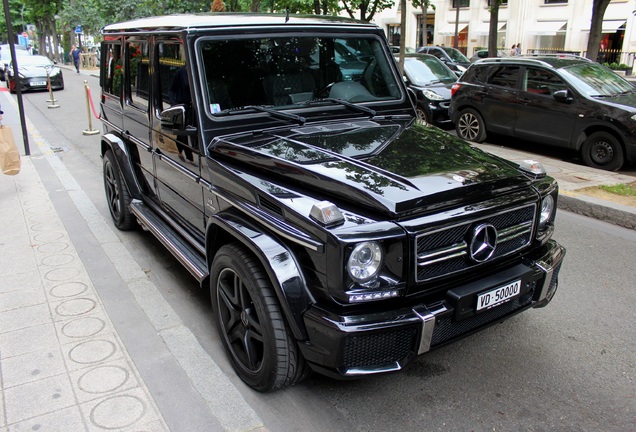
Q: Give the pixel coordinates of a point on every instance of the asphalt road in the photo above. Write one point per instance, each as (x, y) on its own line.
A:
(568, 367)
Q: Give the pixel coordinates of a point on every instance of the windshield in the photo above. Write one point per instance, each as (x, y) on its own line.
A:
(288, 71)
(456, 55)
(424, 71)
(593, 79)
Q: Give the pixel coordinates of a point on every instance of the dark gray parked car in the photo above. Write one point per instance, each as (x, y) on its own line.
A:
(559, 100)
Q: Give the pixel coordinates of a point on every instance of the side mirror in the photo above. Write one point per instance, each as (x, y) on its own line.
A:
(173, 121)
(562, 96)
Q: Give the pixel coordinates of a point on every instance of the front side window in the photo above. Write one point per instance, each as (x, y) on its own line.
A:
(285, 72)
(173, 76)
(543, 82)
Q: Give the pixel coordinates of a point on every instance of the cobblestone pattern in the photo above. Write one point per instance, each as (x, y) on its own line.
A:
(62, 364)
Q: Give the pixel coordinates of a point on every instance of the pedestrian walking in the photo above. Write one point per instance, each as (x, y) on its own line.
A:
(75, 53)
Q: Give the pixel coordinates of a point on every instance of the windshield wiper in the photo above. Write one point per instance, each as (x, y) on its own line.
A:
(266, 109)
(350, 105)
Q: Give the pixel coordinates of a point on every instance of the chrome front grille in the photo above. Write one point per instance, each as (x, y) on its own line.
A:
(445, 251)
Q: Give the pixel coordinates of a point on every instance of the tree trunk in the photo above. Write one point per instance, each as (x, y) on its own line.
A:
(598, 11)
(402, 35)
(492, 30)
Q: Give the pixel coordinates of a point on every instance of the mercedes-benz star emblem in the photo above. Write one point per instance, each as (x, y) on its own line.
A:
(483, 242)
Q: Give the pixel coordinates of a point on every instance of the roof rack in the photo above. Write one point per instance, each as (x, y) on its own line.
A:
(558, 55)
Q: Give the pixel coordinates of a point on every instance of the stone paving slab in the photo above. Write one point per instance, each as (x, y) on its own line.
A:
(62, 364)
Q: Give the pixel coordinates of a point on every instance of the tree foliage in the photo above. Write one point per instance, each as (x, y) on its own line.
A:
(366, 8)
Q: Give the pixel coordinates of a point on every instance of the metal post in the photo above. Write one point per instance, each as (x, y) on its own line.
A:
(90, 130)
(18, 89)
(52, 99)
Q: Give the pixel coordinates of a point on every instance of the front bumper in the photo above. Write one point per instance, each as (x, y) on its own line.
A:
(348, 346)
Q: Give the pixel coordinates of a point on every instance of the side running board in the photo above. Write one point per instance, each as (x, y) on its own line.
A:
(181, 249)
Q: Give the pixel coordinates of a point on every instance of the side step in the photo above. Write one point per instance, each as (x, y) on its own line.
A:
(181, 249)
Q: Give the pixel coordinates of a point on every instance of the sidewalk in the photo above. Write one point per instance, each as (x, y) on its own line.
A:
(63, 365)
(573, 179)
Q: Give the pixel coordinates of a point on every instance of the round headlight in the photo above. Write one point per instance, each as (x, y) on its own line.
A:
(365, 262)
(547, 208)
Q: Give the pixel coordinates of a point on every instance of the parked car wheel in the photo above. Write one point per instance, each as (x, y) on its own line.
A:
(250, 323)
(470, 126)
(602, 150)
(422, 115)
(116, 194)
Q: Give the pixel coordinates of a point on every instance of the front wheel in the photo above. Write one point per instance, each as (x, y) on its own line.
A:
(117, 194)
(602, 150)
(471, 126)
(423, 116)
(250, 323)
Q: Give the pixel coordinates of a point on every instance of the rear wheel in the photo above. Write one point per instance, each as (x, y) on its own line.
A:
(116, 194)
(470, 126)
(250, 323)
(602, 150)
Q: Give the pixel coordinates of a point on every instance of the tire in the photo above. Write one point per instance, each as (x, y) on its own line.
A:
(602, 150)
(117, 194)
(423, 116)
(470, 126)
(250, 322)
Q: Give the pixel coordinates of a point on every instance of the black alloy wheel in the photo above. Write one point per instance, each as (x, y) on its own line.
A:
(250, 323)
(117, 194)
(602, 150)
(470, 126)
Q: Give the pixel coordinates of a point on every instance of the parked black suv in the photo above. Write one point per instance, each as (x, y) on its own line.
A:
(559, 100)
(333, 231)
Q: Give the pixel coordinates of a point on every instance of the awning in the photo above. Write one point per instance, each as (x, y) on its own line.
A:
(449, 29)
(611, 26)
(548, 28)
(484, 28)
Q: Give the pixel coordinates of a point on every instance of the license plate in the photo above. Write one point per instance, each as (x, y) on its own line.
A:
(498, 295)
(38, 83)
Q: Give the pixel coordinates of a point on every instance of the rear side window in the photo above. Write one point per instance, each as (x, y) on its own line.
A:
(113, 73)
(503, 76)
(137, 60)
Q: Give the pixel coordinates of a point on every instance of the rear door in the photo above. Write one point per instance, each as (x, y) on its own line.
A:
(137, 106)
(500, 98)
(541, 117)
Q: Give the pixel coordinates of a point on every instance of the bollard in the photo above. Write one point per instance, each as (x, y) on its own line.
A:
(52, 99)
(90, 130)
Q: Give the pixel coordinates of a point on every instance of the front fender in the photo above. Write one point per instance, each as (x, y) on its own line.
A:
(277, 260)
(115, 143)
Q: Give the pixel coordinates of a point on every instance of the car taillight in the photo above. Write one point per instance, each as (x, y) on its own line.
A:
(454, 88)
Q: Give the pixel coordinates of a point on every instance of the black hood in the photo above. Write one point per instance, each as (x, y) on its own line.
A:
(385, 166)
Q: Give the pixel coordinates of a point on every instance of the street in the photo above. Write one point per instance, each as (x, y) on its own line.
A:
(567, 367)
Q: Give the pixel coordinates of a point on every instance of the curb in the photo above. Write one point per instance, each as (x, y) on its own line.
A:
(606, 211)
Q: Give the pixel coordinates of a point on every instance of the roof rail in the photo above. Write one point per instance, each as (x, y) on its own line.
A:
(558, 55)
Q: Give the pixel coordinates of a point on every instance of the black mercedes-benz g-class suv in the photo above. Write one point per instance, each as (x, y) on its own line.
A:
(334, 232)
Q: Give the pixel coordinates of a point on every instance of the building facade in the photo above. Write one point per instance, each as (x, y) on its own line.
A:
(538, 25)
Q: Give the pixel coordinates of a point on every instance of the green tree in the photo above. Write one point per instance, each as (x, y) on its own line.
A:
(423, 5)
(367, 8)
